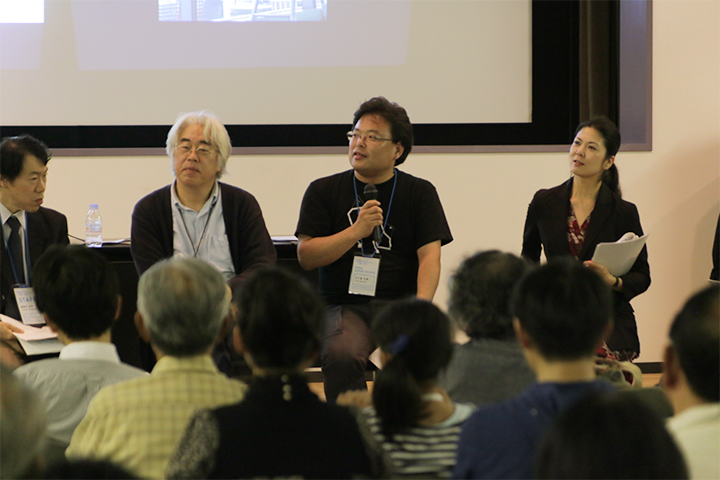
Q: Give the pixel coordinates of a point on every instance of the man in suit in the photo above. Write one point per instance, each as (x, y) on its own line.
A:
(28, 228)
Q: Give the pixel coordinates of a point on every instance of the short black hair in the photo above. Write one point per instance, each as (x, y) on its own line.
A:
(418, 336)
(695, 336)
(78, 289)
(400, 127)
(13, 151)
(608, 435)
(480, 293)
(280, 317)
(564, 307)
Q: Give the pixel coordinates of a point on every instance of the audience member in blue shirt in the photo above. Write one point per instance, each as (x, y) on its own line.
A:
(562, 314)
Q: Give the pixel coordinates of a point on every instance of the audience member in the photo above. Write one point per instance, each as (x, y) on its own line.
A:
(608, 436)
(399, 218)
(491, 366)
(182, 308)
(77, 292)
(22, 429)
(692, 382)
(280, 429)
(416, 421)
(562, 313)
(199, 216)
(28, 228)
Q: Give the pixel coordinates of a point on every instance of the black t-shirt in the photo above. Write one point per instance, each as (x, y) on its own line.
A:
(415, 217)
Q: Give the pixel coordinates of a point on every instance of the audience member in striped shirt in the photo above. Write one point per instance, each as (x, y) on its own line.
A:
(414, 419)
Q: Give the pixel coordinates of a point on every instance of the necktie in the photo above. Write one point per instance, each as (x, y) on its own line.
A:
(15, 249)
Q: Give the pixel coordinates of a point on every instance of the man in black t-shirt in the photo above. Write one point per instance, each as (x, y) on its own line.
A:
(336, 227)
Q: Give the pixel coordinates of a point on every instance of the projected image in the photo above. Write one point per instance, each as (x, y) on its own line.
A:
(241, 10)
(22, 11)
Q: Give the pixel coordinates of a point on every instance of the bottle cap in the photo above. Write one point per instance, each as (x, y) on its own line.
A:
(93, 206)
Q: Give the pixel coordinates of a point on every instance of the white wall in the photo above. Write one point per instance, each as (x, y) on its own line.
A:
(676, 186)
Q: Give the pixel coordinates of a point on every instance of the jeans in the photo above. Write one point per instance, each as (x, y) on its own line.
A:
(347, 344)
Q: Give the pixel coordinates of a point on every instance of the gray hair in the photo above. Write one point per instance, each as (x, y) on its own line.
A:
(480, 293)
(183, 302)
(22, 428)
(214, 131)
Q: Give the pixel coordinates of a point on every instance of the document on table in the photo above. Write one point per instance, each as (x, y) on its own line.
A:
(34, 340)
(618, 257)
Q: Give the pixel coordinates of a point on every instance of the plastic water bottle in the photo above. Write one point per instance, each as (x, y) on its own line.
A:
(93, 227)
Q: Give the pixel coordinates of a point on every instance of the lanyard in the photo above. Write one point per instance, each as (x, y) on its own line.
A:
(27, 259)
(202, 236)
(387, 215)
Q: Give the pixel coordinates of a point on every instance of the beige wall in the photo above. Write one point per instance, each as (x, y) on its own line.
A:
(676, 186)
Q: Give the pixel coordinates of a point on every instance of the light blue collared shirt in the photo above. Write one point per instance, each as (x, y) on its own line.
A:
(188, 227)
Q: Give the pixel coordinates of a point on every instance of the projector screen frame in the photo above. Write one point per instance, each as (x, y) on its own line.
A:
(555, 105)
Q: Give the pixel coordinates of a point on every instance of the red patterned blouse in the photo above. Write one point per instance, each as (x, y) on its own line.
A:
(576, 233)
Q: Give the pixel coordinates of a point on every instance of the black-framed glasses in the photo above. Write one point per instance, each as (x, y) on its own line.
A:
(371, 137)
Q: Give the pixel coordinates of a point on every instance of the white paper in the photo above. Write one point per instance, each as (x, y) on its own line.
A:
(39, 347)
(34, 340)
(618, 257)
(31, 333)
(116, 241)
(284, 239)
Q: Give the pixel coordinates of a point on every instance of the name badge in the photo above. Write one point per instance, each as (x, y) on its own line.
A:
(363, 278)
(29, 312)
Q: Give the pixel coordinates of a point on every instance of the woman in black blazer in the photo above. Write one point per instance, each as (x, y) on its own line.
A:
(572, 218)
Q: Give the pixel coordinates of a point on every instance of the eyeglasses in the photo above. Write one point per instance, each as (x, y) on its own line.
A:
(202, 151)
(371, 137)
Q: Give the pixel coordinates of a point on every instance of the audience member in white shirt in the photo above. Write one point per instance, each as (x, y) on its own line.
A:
(77, 291)
(692, 382)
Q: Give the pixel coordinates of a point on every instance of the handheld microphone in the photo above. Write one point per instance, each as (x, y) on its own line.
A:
(371, 193)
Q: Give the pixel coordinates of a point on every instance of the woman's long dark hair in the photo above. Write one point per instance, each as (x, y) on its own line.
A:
(611, 140)
(417, 335)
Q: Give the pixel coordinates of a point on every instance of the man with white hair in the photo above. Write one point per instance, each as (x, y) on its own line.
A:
(198, 216)
(183, 306)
